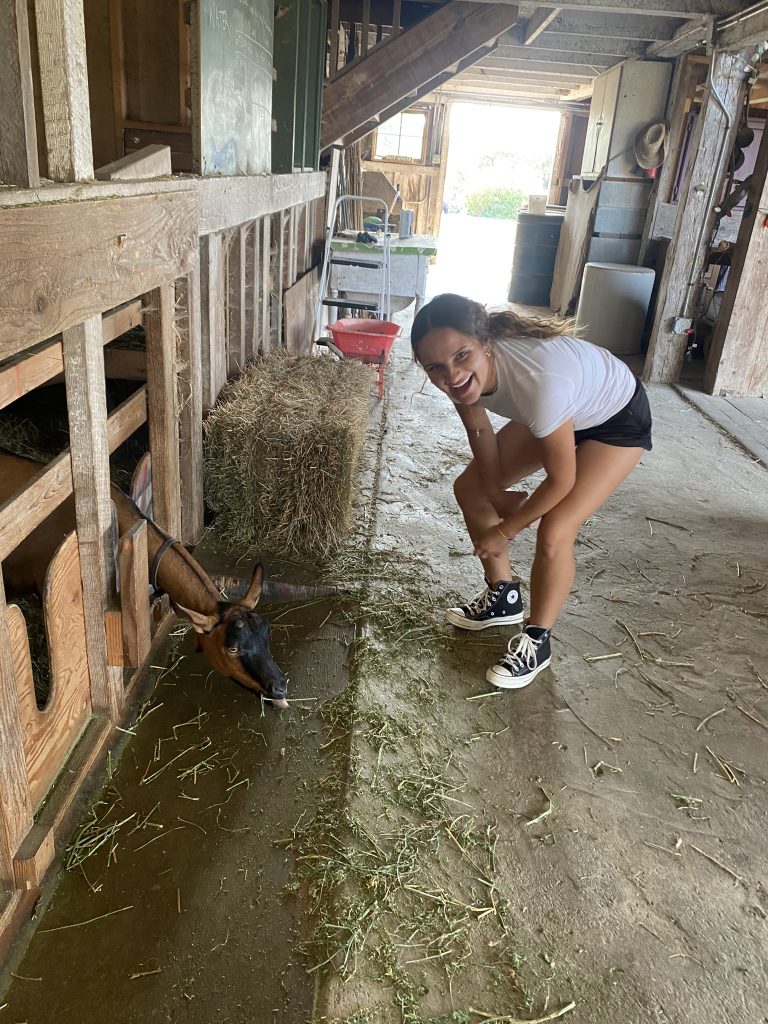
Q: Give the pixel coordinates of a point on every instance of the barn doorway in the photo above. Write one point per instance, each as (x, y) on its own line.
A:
(497, 156)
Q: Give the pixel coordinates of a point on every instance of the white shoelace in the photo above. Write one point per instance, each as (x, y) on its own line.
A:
(524, 654)
(480, 601)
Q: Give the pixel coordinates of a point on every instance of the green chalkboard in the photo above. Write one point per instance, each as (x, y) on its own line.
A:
(236, 38)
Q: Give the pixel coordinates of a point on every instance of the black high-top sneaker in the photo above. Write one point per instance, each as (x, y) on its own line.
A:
(501, 605)
(527, 654)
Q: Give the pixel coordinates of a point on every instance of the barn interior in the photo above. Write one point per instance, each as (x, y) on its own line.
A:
(396, 844)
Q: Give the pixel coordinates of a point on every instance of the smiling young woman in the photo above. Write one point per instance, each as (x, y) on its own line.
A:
(574, 410)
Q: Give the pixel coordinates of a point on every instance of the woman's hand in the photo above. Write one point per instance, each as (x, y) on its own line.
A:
(506, 503)
(493, 543)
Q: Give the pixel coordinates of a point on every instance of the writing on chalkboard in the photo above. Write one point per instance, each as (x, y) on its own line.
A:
(236, 41)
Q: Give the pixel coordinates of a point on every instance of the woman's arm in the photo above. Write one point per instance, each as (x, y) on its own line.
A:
(559, 460)
(558, 453)
(482, 441)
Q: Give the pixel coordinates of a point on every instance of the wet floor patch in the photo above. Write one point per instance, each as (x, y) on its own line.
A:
(179, 902)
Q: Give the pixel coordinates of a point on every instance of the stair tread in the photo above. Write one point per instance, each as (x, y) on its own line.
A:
(350, 304)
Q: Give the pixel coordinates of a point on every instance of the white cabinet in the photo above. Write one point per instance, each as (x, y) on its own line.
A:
(625, 99)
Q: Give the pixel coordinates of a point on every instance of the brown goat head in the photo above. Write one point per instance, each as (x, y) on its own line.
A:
(235, 640)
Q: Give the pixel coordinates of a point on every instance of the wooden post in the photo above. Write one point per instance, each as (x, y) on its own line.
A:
(266, 284)
(119, 92)
(191, 407)
(134, 596)
(333, 68)
(236, 320)
(366, 27)
(293, 245)
(737, 363)
(162, 404)
(213, 335)
(89, 446)
(64, 86)
(18, 139)
(686, 73)
(276, 275)
(395, 17)
(255, 290)
(15, 800)
(678, 289)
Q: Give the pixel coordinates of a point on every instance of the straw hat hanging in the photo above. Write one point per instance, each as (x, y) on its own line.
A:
(651, 145)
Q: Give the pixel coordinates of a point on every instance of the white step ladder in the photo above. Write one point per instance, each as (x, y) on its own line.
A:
(381, 308)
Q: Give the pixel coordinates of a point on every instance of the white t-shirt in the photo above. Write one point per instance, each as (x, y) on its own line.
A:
(544, 382)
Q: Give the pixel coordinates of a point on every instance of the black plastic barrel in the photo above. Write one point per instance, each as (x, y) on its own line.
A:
(533, 262)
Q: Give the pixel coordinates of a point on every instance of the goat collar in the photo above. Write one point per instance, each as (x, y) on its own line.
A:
(167, 543)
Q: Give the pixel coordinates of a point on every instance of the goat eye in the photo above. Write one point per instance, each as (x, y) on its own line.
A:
(233, 650)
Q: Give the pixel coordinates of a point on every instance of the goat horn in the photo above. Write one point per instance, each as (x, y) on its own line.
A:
(235, 587)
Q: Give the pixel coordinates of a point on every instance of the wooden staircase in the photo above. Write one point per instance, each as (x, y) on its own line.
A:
(376, 82)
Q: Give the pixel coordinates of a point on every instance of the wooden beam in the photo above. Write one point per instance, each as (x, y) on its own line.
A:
(678, 287)
(64, 87)
(221, 202)
(737, 363)
(190, 385)
(62, 263)
(690, 36)
(746, 29)
(27, 372)
(540, 20)
(652, 8)
(22, 513)
(229, 202)
(18, 138)
(406, 62)
(89, 453)
(159, 316)
(148, 162)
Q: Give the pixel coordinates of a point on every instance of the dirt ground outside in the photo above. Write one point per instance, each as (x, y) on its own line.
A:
(404, 845)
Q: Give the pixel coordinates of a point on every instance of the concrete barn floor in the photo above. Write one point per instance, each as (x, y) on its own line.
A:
(596, 839)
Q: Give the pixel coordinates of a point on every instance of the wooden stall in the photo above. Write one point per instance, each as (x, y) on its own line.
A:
(105, 104)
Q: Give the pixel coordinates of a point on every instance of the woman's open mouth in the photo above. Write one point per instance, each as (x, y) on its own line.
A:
(460, 390)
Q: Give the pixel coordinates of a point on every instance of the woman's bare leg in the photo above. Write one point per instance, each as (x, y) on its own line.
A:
(600, 468)
(519, 457)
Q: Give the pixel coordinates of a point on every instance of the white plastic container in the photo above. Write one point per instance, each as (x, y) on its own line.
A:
(613, 305)
(537, 204)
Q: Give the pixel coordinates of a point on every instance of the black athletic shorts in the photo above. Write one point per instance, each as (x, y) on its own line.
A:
(629, 428)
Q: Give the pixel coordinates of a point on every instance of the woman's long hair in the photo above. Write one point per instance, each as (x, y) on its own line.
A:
(472, 318)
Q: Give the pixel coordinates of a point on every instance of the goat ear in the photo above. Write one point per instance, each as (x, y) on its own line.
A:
(253, 593)
(201, 623)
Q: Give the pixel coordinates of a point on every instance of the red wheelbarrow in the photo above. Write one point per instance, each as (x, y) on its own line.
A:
(368, 341)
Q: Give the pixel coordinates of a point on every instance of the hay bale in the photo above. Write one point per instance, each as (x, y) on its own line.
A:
(281, 453)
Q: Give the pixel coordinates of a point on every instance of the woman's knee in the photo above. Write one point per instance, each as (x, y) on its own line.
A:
(466, 485)
(555, 534)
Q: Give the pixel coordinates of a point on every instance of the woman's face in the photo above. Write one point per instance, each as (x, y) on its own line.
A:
(457, 364)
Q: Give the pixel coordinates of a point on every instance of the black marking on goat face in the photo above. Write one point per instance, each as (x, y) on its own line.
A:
(247, 642)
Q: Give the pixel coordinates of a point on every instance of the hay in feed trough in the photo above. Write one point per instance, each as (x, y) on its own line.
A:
(281, 453)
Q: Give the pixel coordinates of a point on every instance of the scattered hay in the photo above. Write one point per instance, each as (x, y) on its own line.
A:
(281, 454)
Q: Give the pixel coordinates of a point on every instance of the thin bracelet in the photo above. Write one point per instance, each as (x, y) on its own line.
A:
(500, 531)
